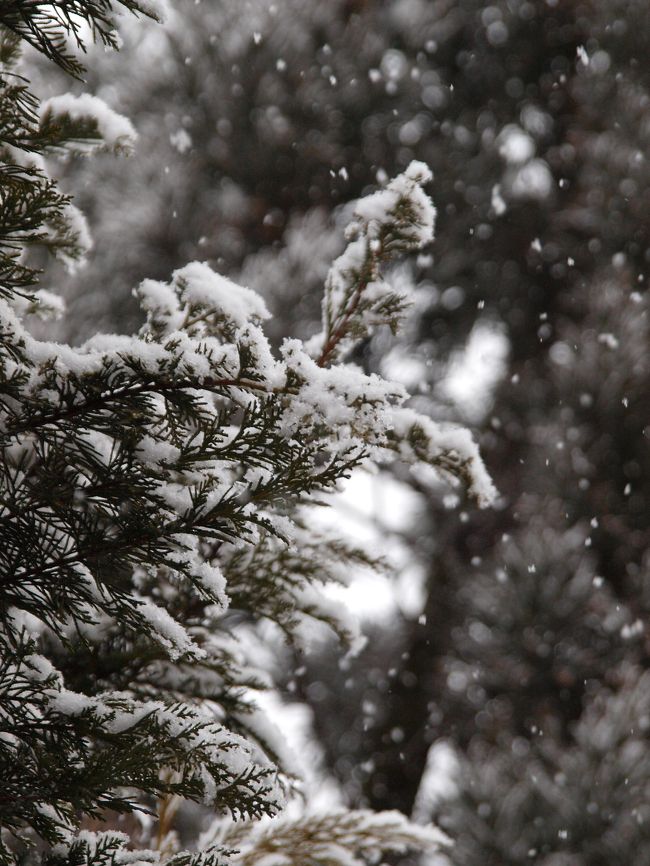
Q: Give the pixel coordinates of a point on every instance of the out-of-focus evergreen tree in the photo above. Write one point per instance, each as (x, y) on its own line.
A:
(529, 654)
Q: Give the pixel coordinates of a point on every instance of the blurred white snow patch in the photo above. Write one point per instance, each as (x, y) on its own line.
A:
(394, 65)
(536, 121)
(295, 720)
(608, 340)
(515, 145)
(439, 781)
(475, 371)
(405, 12)
(600, 62)
(411, 589)
(181, 140)
(533, 180)
(372, 510)
(405, 368)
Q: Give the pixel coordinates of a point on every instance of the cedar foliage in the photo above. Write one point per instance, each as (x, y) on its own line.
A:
(155, 490)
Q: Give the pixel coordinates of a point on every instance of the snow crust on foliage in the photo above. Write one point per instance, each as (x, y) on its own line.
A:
(78, 226)
(168, 631)
(64, 825)
(48, 305)
(366, 410)
(343, 399)
(118, 713)
(209, 574)
(379, 208)
(210, 289)
(197, 286)
(109, 846)
(115, 130)
(451, 444)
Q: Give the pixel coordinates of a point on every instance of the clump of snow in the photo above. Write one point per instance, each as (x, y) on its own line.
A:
(380, 208)
(167, 631)
(201, 285)
(115, 130)
(47, 305)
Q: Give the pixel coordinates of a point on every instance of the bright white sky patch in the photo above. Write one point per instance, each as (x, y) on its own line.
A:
(405, 368)
(372, 510)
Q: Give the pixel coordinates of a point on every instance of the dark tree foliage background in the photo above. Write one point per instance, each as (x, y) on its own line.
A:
(530, 656)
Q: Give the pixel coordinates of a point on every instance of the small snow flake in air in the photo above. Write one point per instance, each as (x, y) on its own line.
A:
(497, 202)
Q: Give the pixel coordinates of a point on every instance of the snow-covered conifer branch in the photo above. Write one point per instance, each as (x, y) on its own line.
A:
(357, 297)
(153, 493)
(85, 124)
(51, 27)
(335, 838)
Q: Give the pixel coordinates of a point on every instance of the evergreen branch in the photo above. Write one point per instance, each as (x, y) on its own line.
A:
(125, 394)
(335, 838)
